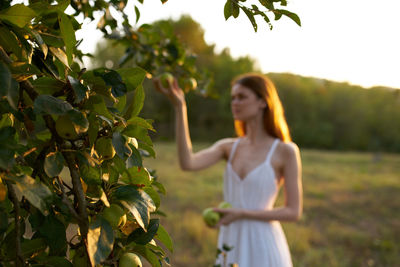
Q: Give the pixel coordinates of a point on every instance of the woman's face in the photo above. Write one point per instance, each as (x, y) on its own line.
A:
(245, 104)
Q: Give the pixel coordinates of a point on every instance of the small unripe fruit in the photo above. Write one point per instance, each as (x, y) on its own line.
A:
(211, 218)
(129, 260)
(105, 148)
(190, 84)
(166, 79)
(65, 128)
(224, 205)
(115, 215)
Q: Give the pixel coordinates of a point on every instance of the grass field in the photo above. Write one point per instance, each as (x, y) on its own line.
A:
(351, 209)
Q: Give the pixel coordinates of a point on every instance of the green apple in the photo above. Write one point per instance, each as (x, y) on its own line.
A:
(105, 148)
(224, 205)
(190, 84)
(166, 79)
(65, 128)
(129, 259)
(115, 215)
(211, 218)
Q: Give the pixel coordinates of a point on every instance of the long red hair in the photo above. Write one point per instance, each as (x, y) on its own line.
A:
(274, 118)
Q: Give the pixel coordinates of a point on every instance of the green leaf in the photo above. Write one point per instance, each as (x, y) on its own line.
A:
(6, 158)
(53, 164)
(137, 202)
(278, 15)
(47, 85)
(60, 54)
(164, 237)
(159, 186)
(291, 15)
(113, 79)
(97, 104)
(154, 195)
(135, 104)
(54, 231)
(47, 104)
(53, 261)
(267, 3)
(79, 119)
(148, 254)
(135, 159)
(79, 89)
(133, 77)
(136, 176)
(235, 9)
(23, 70)
(142, 237)
(100, 240)
(30, 247)
(35, 192)
(93, 130)
(6, 133)
(91, 175)
(9, 42)
(140, 122)
(147, 148)
(137, 12)
(52, 40)
(40, 41)
(250, 15)
(18, 14)
(121, 146)
(68, 35)
(138, 132)
(5, 79)
(227, 10)
(13, 94)
(3, 220)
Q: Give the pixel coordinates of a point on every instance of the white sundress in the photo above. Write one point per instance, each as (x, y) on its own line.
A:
(255, 243)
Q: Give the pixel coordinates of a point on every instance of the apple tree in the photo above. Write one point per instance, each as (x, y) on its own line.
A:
(73, 186)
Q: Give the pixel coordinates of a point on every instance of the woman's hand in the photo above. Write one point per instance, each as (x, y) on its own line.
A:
(173, 92)
(228, 215)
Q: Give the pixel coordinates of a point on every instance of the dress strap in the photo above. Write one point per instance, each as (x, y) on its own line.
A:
(272, 149)
(234, 146)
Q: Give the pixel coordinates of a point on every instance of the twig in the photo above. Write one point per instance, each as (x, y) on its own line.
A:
(13, 197)
(66, 200)
(78, 192)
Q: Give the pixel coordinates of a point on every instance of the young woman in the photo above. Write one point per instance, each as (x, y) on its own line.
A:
(259, 161)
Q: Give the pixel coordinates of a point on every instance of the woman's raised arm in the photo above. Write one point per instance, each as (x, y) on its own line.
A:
(187, 159)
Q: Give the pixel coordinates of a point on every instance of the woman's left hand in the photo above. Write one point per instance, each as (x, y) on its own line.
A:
(228, 216)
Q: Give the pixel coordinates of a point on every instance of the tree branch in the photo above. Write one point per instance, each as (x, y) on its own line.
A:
(19, 260)
(66, 201)
(69, 157)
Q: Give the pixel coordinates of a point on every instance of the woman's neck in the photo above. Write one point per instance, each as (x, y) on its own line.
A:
(255, 131)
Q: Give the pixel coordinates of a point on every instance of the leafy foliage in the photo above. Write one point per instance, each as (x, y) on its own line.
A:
(72, 141)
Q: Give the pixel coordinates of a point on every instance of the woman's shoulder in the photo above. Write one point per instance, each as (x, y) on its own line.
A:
(287, 148)
(225, 145)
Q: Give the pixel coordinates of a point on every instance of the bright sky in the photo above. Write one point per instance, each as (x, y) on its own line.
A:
(355, 41)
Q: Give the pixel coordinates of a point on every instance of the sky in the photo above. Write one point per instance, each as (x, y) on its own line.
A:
(354, 41)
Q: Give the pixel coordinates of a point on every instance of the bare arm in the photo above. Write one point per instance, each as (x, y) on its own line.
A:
(187, 159)
(292, 209)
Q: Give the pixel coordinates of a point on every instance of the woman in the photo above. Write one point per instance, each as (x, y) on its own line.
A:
(259, 161)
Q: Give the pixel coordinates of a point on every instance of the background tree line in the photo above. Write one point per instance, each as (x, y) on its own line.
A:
(321, 114)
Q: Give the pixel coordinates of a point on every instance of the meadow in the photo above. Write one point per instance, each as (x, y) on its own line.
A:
(351, 209)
